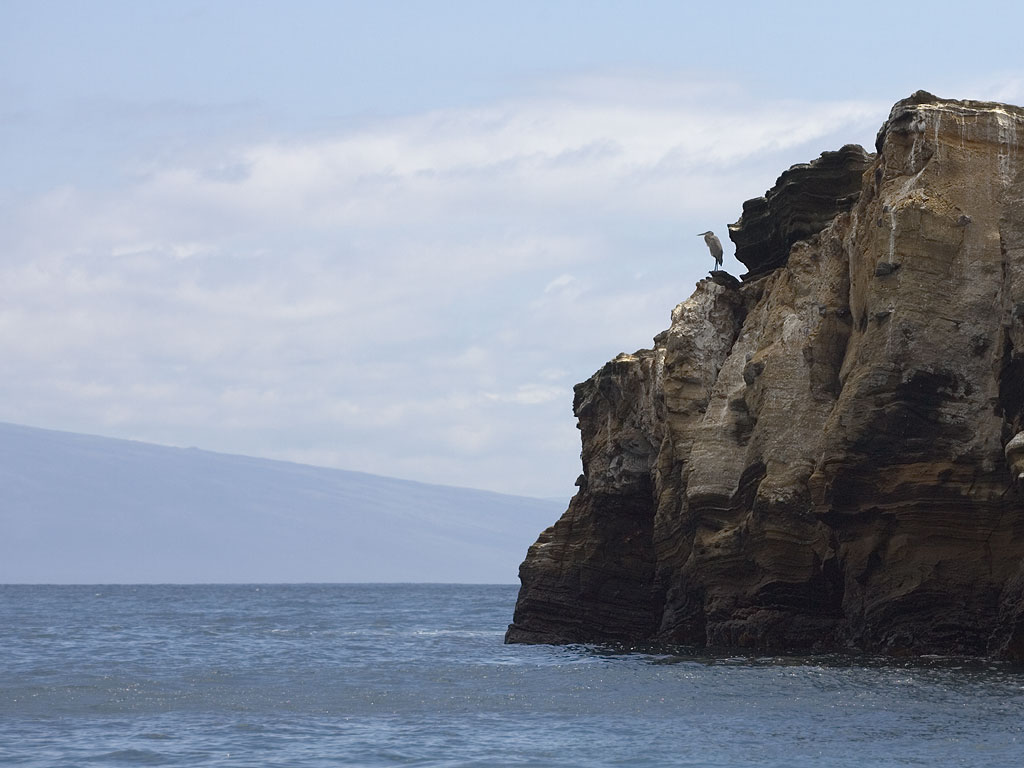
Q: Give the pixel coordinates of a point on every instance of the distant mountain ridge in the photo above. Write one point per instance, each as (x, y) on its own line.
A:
(84, 509)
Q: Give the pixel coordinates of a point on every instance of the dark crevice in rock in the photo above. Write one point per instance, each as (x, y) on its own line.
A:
(1011, 388)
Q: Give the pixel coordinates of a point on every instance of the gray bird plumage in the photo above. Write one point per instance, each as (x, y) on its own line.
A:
(714, 245)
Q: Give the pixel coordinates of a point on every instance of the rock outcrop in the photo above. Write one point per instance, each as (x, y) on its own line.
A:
(804, 201)
(830, 454)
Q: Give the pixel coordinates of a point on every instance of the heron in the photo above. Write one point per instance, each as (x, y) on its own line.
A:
(714, 245)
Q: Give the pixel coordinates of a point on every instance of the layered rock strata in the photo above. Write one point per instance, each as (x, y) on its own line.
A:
(830, 454)
(803, 202)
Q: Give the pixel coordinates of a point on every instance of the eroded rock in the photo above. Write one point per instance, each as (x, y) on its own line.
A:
(825, 456)
(1014, 452)
(804, 200)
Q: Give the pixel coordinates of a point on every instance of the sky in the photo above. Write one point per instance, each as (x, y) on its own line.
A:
(390, 237)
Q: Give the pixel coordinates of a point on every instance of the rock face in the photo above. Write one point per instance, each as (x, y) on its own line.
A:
(830, 454)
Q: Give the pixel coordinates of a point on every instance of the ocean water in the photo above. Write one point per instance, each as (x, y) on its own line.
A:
(417, 675)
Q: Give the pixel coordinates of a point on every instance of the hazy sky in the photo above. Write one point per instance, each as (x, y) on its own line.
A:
(391, 236)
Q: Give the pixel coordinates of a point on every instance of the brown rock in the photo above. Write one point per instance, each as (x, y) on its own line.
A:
(826, 456)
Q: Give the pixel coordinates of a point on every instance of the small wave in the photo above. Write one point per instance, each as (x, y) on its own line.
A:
(129, 757)
(458, 633)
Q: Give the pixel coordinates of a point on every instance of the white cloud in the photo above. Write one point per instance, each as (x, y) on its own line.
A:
(528, 394)
(416, 297)
(560, 283)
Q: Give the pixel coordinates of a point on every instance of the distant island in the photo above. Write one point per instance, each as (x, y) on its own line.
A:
(82, 509)
(828, 454)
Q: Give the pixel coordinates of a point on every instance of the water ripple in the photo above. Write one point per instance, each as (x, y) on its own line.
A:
(413, 675)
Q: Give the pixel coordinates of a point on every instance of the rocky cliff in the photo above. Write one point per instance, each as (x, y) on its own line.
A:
(830, 454)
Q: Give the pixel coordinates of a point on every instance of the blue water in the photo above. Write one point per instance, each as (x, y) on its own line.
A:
(417, 675)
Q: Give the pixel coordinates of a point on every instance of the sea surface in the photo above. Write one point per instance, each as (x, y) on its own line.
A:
(417, 675)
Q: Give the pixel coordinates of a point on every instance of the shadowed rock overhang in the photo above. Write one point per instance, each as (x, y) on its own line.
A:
(804, 200)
